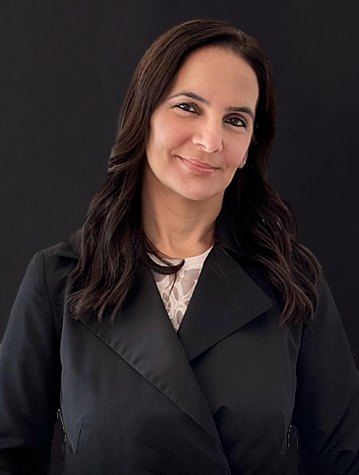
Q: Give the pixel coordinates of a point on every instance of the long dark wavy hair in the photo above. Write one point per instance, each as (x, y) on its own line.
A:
(112, 238)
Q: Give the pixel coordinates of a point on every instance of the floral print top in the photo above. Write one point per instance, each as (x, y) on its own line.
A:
(176, 299)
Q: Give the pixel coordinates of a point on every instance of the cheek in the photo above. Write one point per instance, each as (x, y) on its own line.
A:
(236, 154)
(166, 134)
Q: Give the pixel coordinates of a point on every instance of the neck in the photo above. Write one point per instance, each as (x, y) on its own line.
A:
(178, 227)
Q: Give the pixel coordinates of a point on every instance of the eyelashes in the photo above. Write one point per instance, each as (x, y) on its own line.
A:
(186, 107)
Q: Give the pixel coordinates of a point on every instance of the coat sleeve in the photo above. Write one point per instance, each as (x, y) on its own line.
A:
(29, 377)
(326, 411)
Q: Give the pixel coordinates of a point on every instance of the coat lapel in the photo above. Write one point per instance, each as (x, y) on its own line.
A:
(225, 298)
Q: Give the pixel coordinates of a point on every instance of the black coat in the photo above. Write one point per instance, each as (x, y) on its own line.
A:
(136, 398)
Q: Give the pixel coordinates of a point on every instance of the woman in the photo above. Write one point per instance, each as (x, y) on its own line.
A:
(182, 329)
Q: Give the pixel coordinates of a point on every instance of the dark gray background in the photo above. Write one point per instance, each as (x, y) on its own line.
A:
(65, 67)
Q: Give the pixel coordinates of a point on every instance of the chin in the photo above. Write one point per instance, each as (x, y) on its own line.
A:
(198, 196)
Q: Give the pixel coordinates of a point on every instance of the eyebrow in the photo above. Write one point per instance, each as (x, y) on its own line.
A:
(193, 95)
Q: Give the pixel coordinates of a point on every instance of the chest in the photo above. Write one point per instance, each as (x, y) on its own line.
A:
(226, 378)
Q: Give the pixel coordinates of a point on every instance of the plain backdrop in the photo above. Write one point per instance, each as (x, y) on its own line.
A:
(65, 67)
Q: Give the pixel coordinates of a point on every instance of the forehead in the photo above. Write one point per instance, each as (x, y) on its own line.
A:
(217, 72)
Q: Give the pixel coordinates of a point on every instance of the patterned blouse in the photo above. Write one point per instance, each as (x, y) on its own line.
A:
(176, 299)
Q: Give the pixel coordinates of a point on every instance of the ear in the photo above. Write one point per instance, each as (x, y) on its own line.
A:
(244, 159)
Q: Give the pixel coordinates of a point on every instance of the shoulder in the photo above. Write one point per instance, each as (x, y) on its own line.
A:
(49, 271)
(69, 248)
(59, 257)
(50, 268)
(326, 312)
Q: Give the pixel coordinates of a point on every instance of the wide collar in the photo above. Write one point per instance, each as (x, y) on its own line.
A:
(225, 299)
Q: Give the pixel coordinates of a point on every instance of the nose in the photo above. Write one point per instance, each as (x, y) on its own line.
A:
(208, 136)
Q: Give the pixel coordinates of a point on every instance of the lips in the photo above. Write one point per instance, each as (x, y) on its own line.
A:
(199, 163)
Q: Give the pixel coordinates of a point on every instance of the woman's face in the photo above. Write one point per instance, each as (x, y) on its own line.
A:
(201, 132)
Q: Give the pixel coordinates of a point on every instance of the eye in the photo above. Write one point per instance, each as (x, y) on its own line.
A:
(186, 106)
(240, 122)
(235, 121)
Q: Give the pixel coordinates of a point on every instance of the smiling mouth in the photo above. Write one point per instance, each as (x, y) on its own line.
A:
(198, 167)
(198, 163)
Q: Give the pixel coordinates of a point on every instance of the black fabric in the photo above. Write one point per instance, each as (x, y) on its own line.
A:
(217, 397)
(21, 461)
